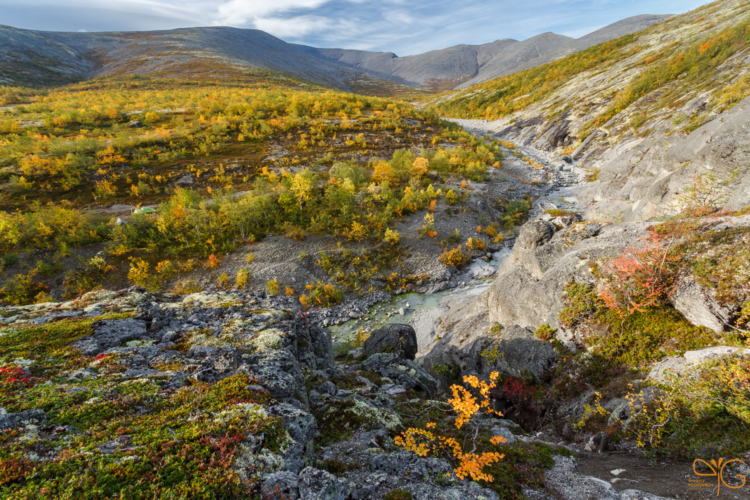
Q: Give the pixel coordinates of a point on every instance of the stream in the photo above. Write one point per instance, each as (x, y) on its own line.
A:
(421, 310)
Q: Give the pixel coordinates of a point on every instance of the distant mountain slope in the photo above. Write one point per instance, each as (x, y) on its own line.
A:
(550, 47)
(34, 57)
(213, 51)
(30, 57)
(466, 65)
(647, 113)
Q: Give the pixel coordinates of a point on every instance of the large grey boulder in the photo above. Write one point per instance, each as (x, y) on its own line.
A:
(519, 353)
(534, 234)
(699, 306)
(677, 366)
(399, 339)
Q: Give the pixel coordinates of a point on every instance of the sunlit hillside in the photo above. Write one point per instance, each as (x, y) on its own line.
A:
(224, 165)
(638, 79)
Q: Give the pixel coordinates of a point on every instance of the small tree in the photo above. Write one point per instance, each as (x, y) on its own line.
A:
(467, 407)
(240, 281)
(272, 286)
(420, 167)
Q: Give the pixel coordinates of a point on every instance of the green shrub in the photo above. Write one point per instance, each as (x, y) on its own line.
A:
(398, 494)
(545, 332)
(24, 289)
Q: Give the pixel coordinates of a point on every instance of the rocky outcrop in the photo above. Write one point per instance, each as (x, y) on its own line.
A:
(403, 371)
(679, 366)
(699, 306)
(648, 179)
(550, 253)
(395, 338)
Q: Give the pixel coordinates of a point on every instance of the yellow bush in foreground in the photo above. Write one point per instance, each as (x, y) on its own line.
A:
(425, 441)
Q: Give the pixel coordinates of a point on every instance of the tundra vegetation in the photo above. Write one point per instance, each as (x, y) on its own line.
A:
(215, 166)
(224, 165)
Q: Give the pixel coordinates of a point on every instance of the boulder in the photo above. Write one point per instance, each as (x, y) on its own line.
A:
(505, 433)
(396, 338)
(10, 420)
(402, 371)
(519, 353)
(185, 180)
(699, 306)
(282, 484)
(316, 484)
(533, 235)
(302, 428)
(668, 368)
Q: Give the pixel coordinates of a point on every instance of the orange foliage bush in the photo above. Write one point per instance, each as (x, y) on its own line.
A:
(643, 276)
(425, 441)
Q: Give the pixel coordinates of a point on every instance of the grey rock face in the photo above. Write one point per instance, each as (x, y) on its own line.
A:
(504, 432)
(677, 366)
(396, 338)
(402, 371)
(699, 306)
(302, 428)
(111, 333)
(571, 485)
(647, 180)
(530, 293)
(522, 353)
(284, 484)
(315, 484)
(10, 420)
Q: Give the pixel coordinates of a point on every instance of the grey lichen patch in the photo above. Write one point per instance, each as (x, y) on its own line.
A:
(268, 339)
(383, 417)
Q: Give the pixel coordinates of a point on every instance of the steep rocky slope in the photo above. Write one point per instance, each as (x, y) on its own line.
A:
(651, 115)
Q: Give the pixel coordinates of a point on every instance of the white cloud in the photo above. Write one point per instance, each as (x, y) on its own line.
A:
(244, 11)
(294, 27)
(398, 16)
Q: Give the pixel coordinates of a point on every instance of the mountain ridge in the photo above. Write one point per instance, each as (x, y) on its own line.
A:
(30, 56)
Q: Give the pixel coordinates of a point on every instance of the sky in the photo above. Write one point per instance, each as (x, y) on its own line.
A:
(404, 27)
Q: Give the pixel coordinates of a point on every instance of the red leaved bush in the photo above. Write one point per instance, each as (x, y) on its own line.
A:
(644, 276)
(16, 377)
